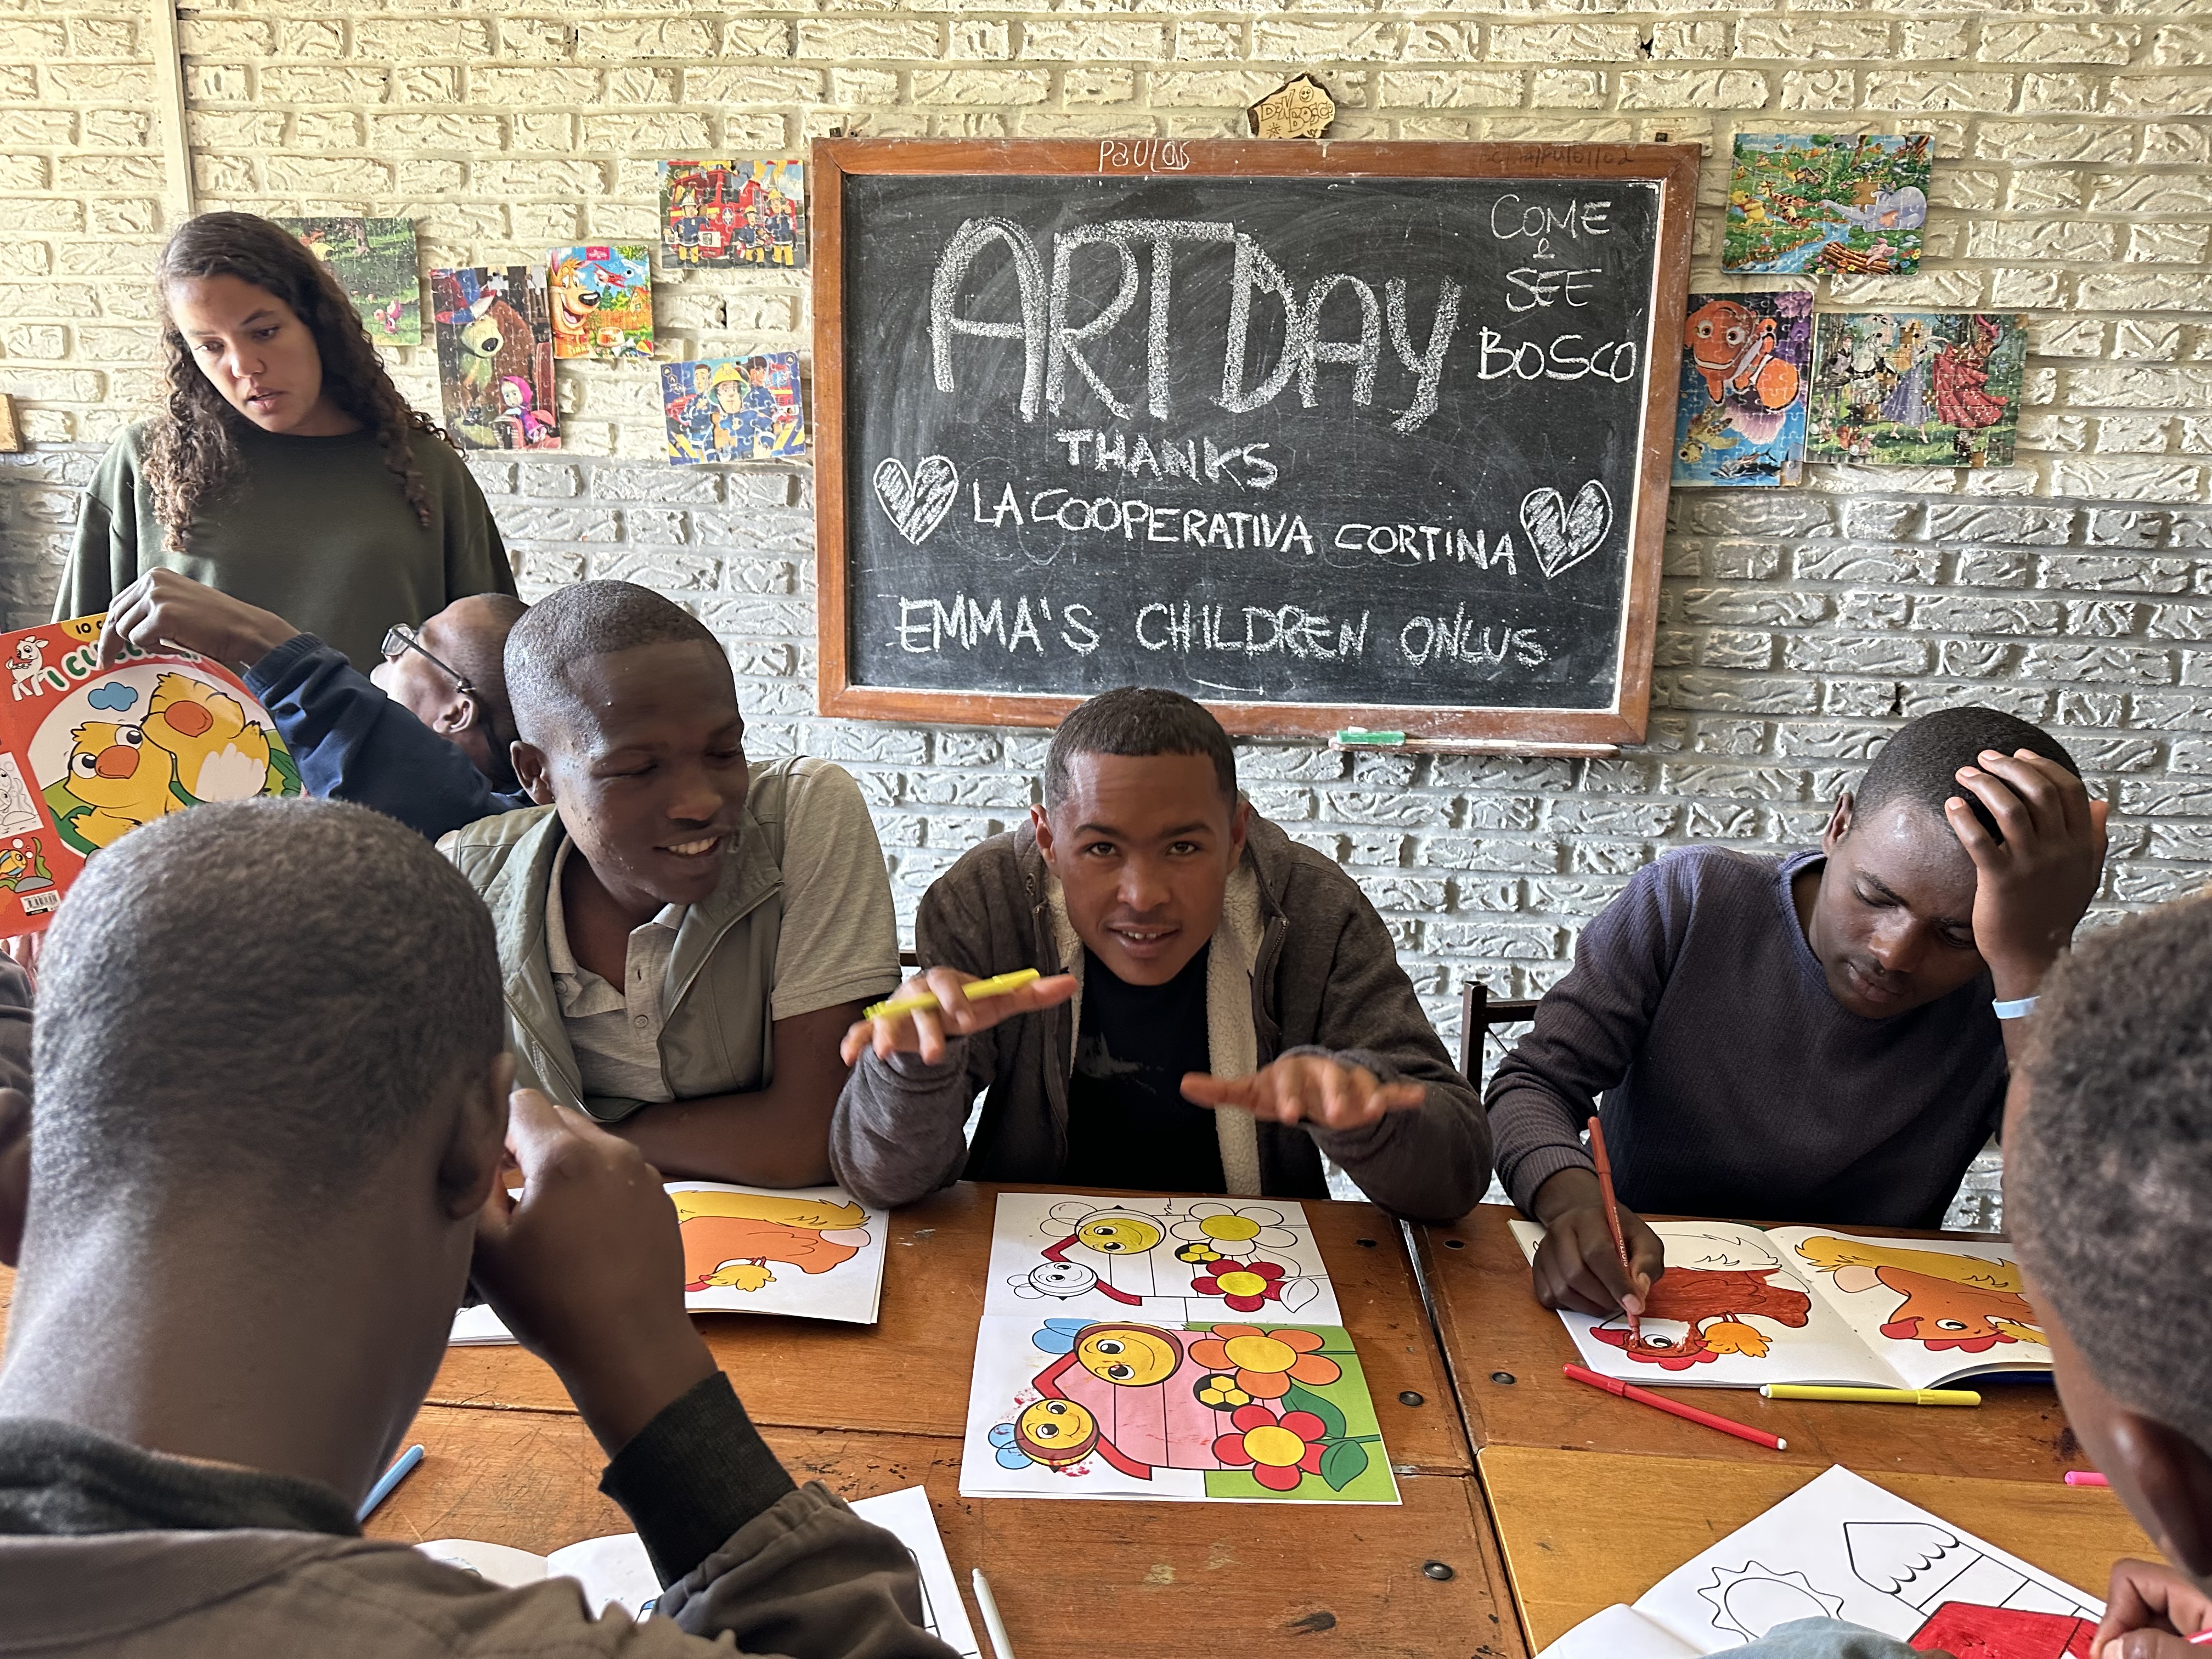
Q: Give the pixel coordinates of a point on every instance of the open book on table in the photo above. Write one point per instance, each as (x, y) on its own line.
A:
(615, 1572)
(812, 1252)
(1843, 1549)
(1741, 1305)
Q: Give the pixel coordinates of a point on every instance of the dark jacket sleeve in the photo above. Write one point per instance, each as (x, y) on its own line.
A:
(15, 1027)
(1431, 1164)
(900, 1129)
(744, 1553)
(354, 744)
(1587, 1032)
(103, 552)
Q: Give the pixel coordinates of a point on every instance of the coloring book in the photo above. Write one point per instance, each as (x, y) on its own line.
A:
(1843, 1549)
(615, 1571)
(88, 754)
(1739, 1306)
(810, 1252)
(1166, 1348)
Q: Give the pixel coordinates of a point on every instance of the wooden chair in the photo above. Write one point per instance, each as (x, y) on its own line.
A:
(1478, 1012)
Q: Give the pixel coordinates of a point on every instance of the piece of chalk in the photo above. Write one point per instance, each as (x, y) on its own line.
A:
(988, 1606)
(1374, 739)
(2086, 1478)
(402, 1467)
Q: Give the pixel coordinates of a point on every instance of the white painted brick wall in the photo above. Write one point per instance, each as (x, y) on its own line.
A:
(1796, 628)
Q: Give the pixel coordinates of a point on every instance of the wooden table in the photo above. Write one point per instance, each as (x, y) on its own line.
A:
(1072, 1578)
(1583, 1529)
(908, 1374)
(1505, 1350)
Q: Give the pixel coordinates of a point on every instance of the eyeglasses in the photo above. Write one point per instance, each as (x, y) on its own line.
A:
(400, 637)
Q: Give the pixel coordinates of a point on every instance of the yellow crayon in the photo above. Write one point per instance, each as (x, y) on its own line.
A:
(1873, 1396)
(997, 985)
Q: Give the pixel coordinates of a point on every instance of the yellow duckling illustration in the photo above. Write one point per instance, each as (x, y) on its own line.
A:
(729, 1238)
(122, 784)
(219, 754)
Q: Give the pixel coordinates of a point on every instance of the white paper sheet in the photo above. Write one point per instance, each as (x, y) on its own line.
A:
(808, 1251)
(1843, 1549)
(1618, 1632)
(907, 1514)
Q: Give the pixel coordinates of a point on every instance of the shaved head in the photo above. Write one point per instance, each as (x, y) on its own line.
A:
(573, 625)
(266, 995)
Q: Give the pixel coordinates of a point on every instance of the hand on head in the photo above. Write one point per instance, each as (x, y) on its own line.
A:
(1316, 1088)
(2150, 1612)
(587, 1268)
(924, 1031)
(2031, 889)
(1576, 1268)
(162, 609)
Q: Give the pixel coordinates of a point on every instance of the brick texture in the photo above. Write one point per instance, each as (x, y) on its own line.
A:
(2074, 587)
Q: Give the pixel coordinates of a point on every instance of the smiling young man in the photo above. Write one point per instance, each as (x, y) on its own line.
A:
(1821, 1037)
(424, 737)
(1221, 1006)
(685, 935)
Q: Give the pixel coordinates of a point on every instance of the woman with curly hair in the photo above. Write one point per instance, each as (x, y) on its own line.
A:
(285, 467)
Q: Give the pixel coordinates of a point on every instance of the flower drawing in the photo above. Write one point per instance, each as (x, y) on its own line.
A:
(1266, 1363)
(1281, 1451)
(1246, 1286)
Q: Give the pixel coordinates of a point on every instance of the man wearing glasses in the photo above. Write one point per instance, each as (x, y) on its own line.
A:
(423, 738)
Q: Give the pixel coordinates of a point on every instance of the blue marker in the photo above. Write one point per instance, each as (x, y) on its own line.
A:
(402, 1467)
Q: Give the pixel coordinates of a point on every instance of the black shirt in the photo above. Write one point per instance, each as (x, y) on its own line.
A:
(1128, 1126)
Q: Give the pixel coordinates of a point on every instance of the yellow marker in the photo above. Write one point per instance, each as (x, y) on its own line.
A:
(977, 989)
(1873, 1396)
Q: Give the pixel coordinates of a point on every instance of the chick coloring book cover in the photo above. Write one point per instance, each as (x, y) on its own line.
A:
(89, 754)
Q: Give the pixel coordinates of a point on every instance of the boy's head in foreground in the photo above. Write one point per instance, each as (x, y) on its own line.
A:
(2108, 1189)
(626, 720)
(1893, 922)
(272, 1098)
(1142, 825)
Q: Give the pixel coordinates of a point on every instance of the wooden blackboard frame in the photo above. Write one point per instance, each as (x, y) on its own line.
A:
(1672, 168)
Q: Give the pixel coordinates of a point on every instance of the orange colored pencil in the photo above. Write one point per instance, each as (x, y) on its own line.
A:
(1613, 1217)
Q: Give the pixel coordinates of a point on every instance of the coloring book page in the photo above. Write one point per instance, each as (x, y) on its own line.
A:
(1928, 1308)
(1739, 1306)
(1843, 1549)
(615, 1571)
(810, 1252)
(1176, 1261)
(1064, 1408)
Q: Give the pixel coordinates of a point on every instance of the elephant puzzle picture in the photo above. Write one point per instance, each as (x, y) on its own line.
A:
(1166, 1348)
(1739, 1306)
(89, 754)
(809, 1252)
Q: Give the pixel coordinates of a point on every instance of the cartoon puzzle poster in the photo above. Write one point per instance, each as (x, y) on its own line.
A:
(1747, 360)
(495, 356)
(1852, 206)
(1916, 388)
(733, 409)
(87, 755)
(601, 299)
(717, 215)
(375, 262)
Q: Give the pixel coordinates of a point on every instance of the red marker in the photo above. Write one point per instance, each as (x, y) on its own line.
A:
(1612, 1218)
(1675, 1408)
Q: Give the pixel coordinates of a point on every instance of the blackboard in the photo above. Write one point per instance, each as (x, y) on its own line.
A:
(1321, 435)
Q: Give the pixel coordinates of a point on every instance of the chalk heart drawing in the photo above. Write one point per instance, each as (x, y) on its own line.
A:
(917, 501)
(1564, 536)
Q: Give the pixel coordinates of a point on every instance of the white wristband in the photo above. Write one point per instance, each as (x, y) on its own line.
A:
(2018, 1010)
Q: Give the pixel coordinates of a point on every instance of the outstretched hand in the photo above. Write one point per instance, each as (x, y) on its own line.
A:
(924, 1031)
(1316, 1088)
(587, 1268)
(2150, 1612)
(163, 609)
(2032, 888)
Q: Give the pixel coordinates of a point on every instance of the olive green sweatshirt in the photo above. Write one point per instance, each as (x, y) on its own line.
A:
(316, 529)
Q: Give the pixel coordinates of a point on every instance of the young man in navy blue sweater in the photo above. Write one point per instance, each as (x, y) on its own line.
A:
(423, 739)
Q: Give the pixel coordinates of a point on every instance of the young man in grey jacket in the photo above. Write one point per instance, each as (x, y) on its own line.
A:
(1220, 1007)
(273, 1115)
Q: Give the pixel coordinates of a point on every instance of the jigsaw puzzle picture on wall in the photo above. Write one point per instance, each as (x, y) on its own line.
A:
(375, 262)
(733, 409)
(1916, 388)
(601, 299)
(495, 356)
(1850, 205)
(1746, 362)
